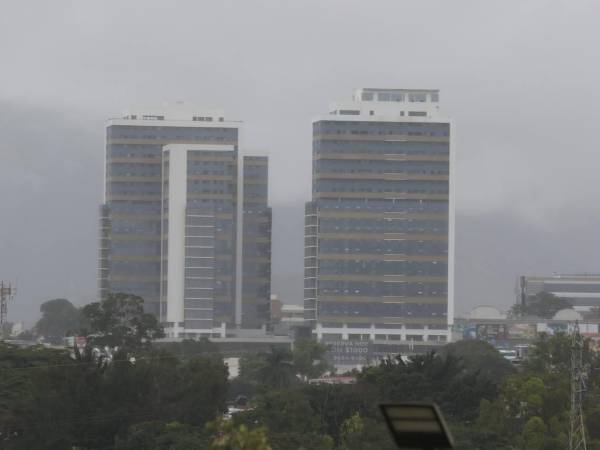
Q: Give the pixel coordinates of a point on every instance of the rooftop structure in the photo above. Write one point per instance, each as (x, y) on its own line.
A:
(581, 290)
(389, 104)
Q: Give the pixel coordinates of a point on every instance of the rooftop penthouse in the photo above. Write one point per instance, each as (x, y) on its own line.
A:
(172, 114)
(380, 104)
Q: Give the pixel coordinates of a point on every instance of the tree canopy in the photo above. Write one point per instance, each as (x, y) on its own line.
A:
(60, 318)
(543, 304)
(308, 357)
(119, 320)
(50, 400)
(173, 397)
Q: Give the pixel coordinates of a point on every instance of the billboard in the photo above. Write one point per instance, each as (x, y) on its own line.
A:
(555, 328)
(348, 352)
(522, 331)
(491, 331)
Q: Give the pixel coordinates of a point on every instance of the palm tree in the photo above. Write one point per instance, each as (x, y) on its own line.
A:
(278, 370)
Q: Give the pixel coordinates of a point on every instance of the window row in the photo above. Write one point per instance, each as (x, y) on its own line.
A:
(331, 127)
(383, 247)
(330, 225)
(387, 148)
(166, 132)
(382, 309)
(408, 268)
(379, 289)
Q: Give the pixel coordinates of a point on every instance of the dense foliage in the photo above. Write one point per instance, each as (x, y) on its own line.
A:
(544, 305)
(172, 396)
(60, 318)
(52, 400)
(120, 321)
(489, 404)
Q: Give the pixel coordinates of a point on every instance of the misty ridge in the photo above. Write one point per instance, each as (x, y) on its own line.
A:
(52, 179)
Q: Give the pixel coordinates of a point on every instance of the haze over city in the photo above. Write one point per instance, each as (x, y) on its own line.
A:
(519, 79)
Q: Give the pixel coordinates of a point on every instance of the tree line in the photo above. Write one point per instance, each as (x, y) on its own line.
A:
(173, 397)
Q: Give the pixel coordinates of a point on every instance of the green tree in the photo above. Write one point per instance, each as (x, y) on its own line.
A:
(480, 357)
(533, 436)
(532, 406)
(230, 437)
(279, 370)
(592, 420)
(553, 354)
(120, 321)
(431, 377)
(358, 433)
(288, 416)
(309, 358)
(59, 319)
(59, 391)
(60, 401)
(543, 304)
(163, 436)
(19, 368)
(334, 404)
(202, 390)
(274, 369)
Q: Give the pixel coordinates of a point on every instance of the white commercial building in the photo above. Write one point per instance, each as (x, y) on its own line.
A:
(379, 231)
(185, 222)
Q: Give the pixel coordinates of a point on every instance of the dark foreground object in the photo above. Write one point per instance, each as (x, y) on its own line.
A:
(417, 425)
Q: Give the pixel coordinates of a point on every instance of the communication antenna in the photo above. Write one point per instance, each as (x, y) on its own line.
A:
(7, 292)
(578, 379)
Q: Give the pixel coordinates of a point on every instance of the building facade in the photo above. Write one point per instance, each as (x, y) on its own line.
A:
(379, 230)
(582, 291)
(185, 222)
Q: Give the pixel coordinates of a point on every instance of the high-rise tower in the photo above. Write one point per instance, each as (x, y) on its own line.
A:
(185, 223)
(379, 230)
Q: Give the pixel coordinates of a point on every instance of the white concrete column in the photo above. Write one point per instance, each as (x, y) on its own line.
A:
(176, 234)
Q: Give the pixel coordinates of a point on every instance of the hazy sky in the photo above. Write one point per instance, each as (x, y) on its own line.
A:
(520, 78)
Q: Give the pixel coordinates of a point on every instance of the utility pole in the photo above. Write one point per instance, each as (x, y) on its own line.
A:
(7, 292)
(578, 377)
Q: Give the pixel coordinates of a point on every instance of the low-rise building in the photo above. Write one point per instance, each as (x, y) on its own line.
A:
(582, 291)
(489, 324)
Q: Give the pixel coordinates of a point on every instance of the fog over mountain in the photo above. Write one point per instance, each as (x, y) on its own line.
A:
(52, 168)
(522, 90)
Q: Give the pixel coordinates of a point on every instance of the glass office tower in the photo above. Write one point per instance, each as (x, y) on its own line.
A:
(379, 230)
(173, 225)
(256, 251)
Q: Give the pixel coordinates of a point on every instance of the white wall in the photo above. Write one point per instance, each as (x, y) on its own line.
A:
(176, 234)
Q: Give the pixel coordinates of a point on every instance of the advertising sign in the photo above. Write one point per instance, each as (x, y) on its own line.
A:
(491, 332)
(522, 331)
(348, 352)
(555, 328)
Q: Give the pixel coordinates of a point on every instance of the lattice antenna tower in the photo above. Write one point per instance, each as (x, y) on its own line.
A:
(578, 382)
(7, 292)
